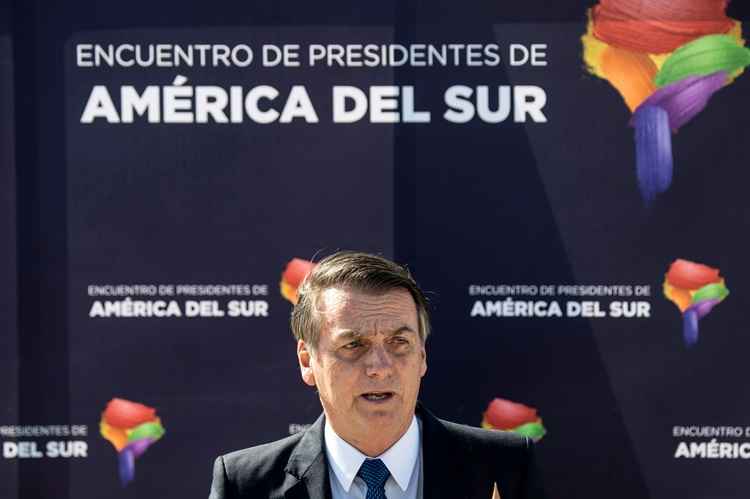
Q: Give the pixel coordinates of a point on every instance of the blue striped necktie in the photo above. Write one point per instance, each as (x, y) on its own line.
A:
(375, 474)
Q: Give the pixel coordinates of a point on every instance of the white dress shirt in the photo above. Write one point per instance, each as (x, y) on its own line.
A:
(403, 460)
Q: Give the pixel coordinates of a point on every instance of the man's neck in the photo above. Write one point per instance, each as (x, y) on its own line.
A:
(369, 446)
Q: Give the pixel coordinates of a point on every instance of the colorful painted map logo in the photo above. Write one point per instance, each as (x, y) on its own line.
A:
(696, 289)
(505, 415)
(666, 58)
(132, 428)
(294, 273)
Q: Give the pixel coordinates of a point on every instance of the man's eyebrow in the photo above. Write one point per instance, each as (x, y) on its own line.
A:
(351, 334)
(403, 329)
(347, 334)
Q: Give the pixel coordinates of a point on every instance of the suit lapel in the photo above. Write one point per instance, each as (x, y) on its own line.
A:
(446, 469)
(307, 469)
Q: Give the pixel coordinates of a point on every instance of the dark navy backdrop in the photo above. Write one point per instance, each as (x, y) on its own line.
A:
(8, 273)
(552, 203)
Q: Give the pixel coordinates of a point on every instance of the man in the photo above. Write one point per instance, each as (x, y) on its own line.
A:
(361, 323)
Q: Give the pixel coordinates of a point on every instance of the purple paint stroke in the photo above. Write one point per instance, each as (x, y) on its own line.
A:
(126, 466)
(690, 327)
(139, 446)
(703, 308)
(685, 99)
(653, 150)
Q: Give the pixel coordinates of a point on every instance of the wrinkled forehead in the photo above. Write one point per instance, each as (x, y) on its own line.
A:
(366, 311)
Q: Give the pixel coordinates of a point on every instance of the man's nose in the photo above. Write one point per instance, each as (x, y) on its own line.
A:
(378, 362)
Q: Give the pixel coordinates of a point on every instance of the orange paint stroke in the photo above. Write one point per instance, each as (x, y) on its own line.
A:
(631, 73)
(116, 436)
(681, 297)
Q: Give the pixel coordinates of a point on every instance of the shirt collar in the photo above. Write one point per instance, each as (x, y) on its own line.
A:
(400, 458)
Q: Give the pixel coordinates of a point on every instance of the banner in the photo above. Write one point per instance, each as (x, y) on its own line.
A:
(568, 194)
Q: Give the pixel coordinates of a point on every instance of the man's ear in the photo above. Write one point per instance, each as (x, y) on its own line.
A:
(304, 356)
(423, 367)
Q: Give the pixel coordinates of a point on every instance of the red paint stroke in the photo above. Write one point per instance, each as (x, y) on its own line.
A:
(296, 271)
(685, 274)
(504, 414)
(123, 413)
(658, 26)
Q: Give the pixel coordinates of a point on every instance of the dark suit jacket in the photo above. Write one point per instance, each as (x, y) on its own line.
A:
(459, 462)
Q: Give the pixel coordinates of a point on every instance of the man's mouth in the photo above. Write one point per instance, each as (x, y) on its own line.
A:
(377, 396)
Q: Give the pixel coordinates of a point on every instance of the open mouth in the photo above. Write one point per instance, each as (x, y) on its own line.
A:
(377, 396)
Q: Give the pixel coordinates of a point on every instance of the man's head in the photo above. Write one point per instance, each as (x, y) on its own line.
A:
(361, 323)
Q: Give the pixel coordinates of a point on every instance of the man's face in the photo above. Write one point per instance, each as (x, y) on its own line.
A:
(367, 365)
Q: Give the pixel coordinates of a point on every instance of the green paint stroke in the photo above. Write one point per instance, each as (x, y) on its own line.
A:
(704, 56)
(715, 291)
(534, 431)
(146, 430)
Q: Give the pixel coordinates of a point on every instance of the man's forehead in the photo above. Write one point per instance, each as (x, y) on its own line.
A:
(340, 303)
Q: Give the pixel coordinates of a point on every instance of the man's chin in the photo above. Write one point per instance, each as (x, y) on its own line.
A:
(386, 409)
(386, 417)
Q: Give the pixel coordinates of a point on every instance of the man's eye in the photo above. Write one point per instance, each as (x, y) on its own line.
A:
(399, 340)
(352, 345)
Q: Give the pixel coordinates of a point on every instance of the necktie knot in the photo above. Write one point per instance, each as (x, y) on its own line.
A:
(375, 474)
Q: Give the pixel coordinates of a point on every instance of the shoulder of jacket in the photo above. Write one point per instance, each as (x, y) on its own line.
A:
(492, 440)
(260, 460)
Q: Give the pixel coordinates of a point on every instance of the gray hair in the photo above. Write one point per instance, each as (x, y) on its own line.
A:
(360, 271)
